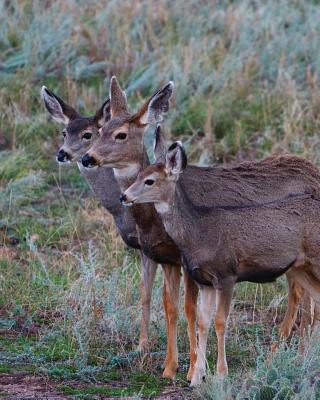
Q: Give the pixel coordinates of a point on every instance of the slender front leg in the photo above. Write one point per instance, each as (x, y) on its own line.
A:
(148, 272)
(224, 298)
(316, 318)
(171, 288)
(205, 314)
(190, 309)
(294, 297)
(308, 309)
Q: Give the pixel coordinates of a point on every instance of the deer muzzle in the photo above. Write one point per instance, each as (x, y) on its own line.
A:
(125, 201)
(88, 161)
(63, 156)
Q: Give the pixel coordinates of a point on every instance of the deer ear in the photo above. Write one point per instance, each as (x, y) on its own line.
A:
(118, 98)
(176, 160)
(159, 145)
(59, 110)
(151, 112)
(103, 114)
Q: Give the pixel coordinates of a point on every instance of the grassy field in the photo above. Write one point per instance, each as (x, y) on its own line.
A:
(246, 74)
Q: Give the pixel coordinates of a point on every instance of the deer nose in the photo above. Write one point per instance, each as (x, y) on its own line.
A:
(62, 156)
(88, 161)
(123, 198)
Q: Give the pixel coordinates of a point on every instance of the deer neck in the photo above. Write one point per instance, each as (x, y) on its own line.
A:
(104, 187)
(127, 176)
(174, 214)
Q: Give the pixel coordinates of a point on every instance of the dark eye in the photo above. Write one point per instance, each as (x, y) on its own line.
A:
(64, 134)
(87, 135)
(121, 136)
(149, 182)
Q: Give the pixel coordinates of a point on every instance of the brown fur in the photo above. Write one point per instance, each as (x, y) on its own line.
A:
(153, 239)
(233, 224)
(105, 188)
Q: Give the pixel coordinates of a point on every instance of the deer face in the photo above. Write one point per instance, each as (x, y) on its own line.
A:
(121, 143)
(157, 183)
(79, 132)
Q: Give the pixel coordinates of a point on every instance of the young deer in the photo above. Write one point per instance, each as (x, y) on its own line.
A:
(154, 241)
(121, 147)
(79, 133)
(225, 242)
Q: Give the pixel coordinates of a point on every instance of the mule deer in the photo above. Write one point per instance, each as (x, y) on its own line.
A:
(79, 133)
(154, 241)
(121, 147)
(234, 225)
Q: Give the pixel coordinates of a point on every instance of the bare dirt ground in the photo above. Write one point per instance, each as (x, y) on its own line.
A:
(23, 386)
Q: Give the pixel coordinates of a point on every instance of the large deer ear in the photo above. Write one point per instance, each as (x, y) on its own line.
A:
(103, 114)
(151, 112)
(59, 110)
(159, 149)
(176, 160)
(118, 98)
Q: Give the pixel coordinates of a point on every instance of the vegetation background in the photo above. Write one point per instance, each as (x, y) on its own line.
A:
(246, 74)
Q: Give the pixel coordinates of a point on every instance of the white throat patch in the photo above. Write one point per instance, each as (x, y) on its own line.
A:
(162, 207)
(127, 172)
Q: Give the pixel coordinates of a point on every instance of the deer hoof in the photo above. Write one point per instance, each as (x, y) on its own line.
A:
(197, 378)
(170, 371)
(190, 374)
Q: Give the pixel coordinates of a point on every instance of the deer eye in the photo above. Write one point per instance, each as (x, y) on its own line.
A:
(87, 135)
(149, 182)
(121, 136)
(64, 134)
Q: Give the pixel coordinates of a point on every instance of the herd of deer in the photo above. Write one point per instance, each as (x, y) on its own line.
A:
(251, 222)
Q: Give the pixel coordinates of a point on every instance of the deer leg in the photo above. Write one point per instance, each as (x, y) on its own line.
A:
(205, 314)
(172, 275)
(307, 307)
(224, 298)
(190, 309)
(316, 319)
(311, 285)
(294, 297)
(148, 272)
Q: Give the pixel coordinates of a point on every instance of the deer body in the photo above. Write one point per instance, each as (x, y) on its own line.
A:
(238, 244)
(153, 239)
(78, 134)
(121, 146)
(231, 224)
(256, 244)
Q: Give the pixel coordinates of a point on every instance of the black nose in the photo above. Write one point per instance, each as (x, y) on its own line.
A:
(62, 156)
(123, 198)
(88, 161)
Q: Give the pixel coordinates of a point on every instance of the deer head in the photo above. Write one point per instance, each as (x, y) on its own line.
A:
(156, 184)
(121, 140)
(79, 132)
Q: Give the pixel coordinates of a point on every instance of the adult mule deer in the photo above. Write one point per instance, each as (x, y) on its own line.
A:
(121, 147)
(154, 240)
(235, 224)
(79, 133)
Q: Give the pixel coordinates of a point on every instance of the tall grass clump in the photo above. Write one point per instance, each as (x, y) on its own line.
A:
(101, 307)
(282, 375)
(19, 184)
